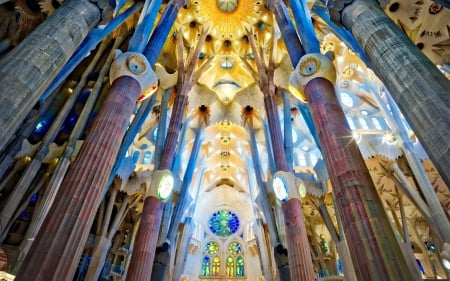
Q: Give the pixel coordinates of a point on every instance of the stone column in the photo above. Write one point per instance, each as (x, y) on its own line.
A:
(30, 67)
(299, 254)
(182, 253)
(59, 244)
(364, 220)
(146, 239)
(28, 175)
(415, 83)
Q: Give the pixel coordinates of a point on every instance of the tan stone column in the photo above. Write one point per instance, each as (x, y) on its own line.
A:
(30, 67)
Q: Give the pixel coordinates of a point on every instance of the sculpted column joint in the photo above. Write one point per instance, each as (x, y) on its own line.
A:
(136, 66)
(160, 185)
(309, 67)
(286, 186)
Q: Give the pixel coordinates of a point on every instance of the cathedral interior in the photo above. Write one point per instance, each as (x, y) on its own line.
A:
(224, 140)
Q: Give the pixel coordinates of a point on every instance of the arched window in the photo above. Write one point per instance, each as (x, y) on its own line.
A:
(235, 262)
(230, 267)
(351, 123)
(240, 266)
(216, 266)
(363, 123)
(211, 262)
(136, 156)
(377, 123)
(147, 157)
(206, 266)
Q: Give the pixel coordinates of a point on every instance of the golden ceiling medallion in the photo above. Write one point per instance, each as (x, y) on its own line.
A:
(228, 17)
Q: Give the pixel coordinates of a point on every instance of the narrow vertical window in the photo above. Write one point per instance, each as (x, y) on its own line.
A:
(240, 266)
(377, 123)
(216, 266)
(351, 123)
(363, 123)
(230, 267)
(206, 266)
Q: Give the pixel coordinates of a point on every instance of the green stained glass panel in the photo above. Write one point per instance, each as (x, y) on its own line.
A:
(234, 248)
(211, 248)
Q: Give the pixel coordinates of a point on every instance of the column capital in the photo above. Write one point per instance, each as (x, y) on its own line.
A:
(160, 185)
(309, 67)
(286, 186)
(134, 65)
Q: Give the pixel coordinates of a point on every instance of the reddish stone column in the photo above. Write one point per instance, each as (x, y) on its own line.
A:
(300, 252)
(276, 137)
(375, 252)
(300, 261)
(146, 238)
(60, 242)
(299, 255)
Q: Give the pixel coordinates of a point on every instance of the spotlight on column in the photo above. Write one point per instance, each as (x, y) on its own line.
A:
(446, 263)
(280, 187)
(165, 186)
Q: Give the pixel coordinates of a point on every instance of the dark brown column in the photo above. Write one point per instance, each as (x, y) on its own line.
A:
(375, 251)
(300, 261)
(60, 242)
(146, 240)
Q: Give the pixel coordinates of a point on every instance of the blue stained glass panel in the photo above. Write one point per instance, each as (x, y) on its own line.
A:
(224, 223)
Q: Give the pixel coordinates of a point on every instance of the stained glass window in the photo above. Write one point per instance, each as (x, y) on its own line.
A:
(216, 266)
(211, 248)
(234, 248)
(239, 266)
(206, 266)
(230, 267)
(224, 223)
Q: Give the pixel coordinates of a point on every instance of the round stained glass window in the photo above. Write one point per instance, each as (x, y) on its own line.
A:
(224, 223)
(234, 248)
(211, 248)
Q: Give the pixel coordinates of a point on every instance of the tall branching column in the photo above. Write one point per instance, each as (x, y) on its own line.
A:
(184, 198)
(364, 220)
(300, 261)
(406, 72)
(60, 242)
(147, 235)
